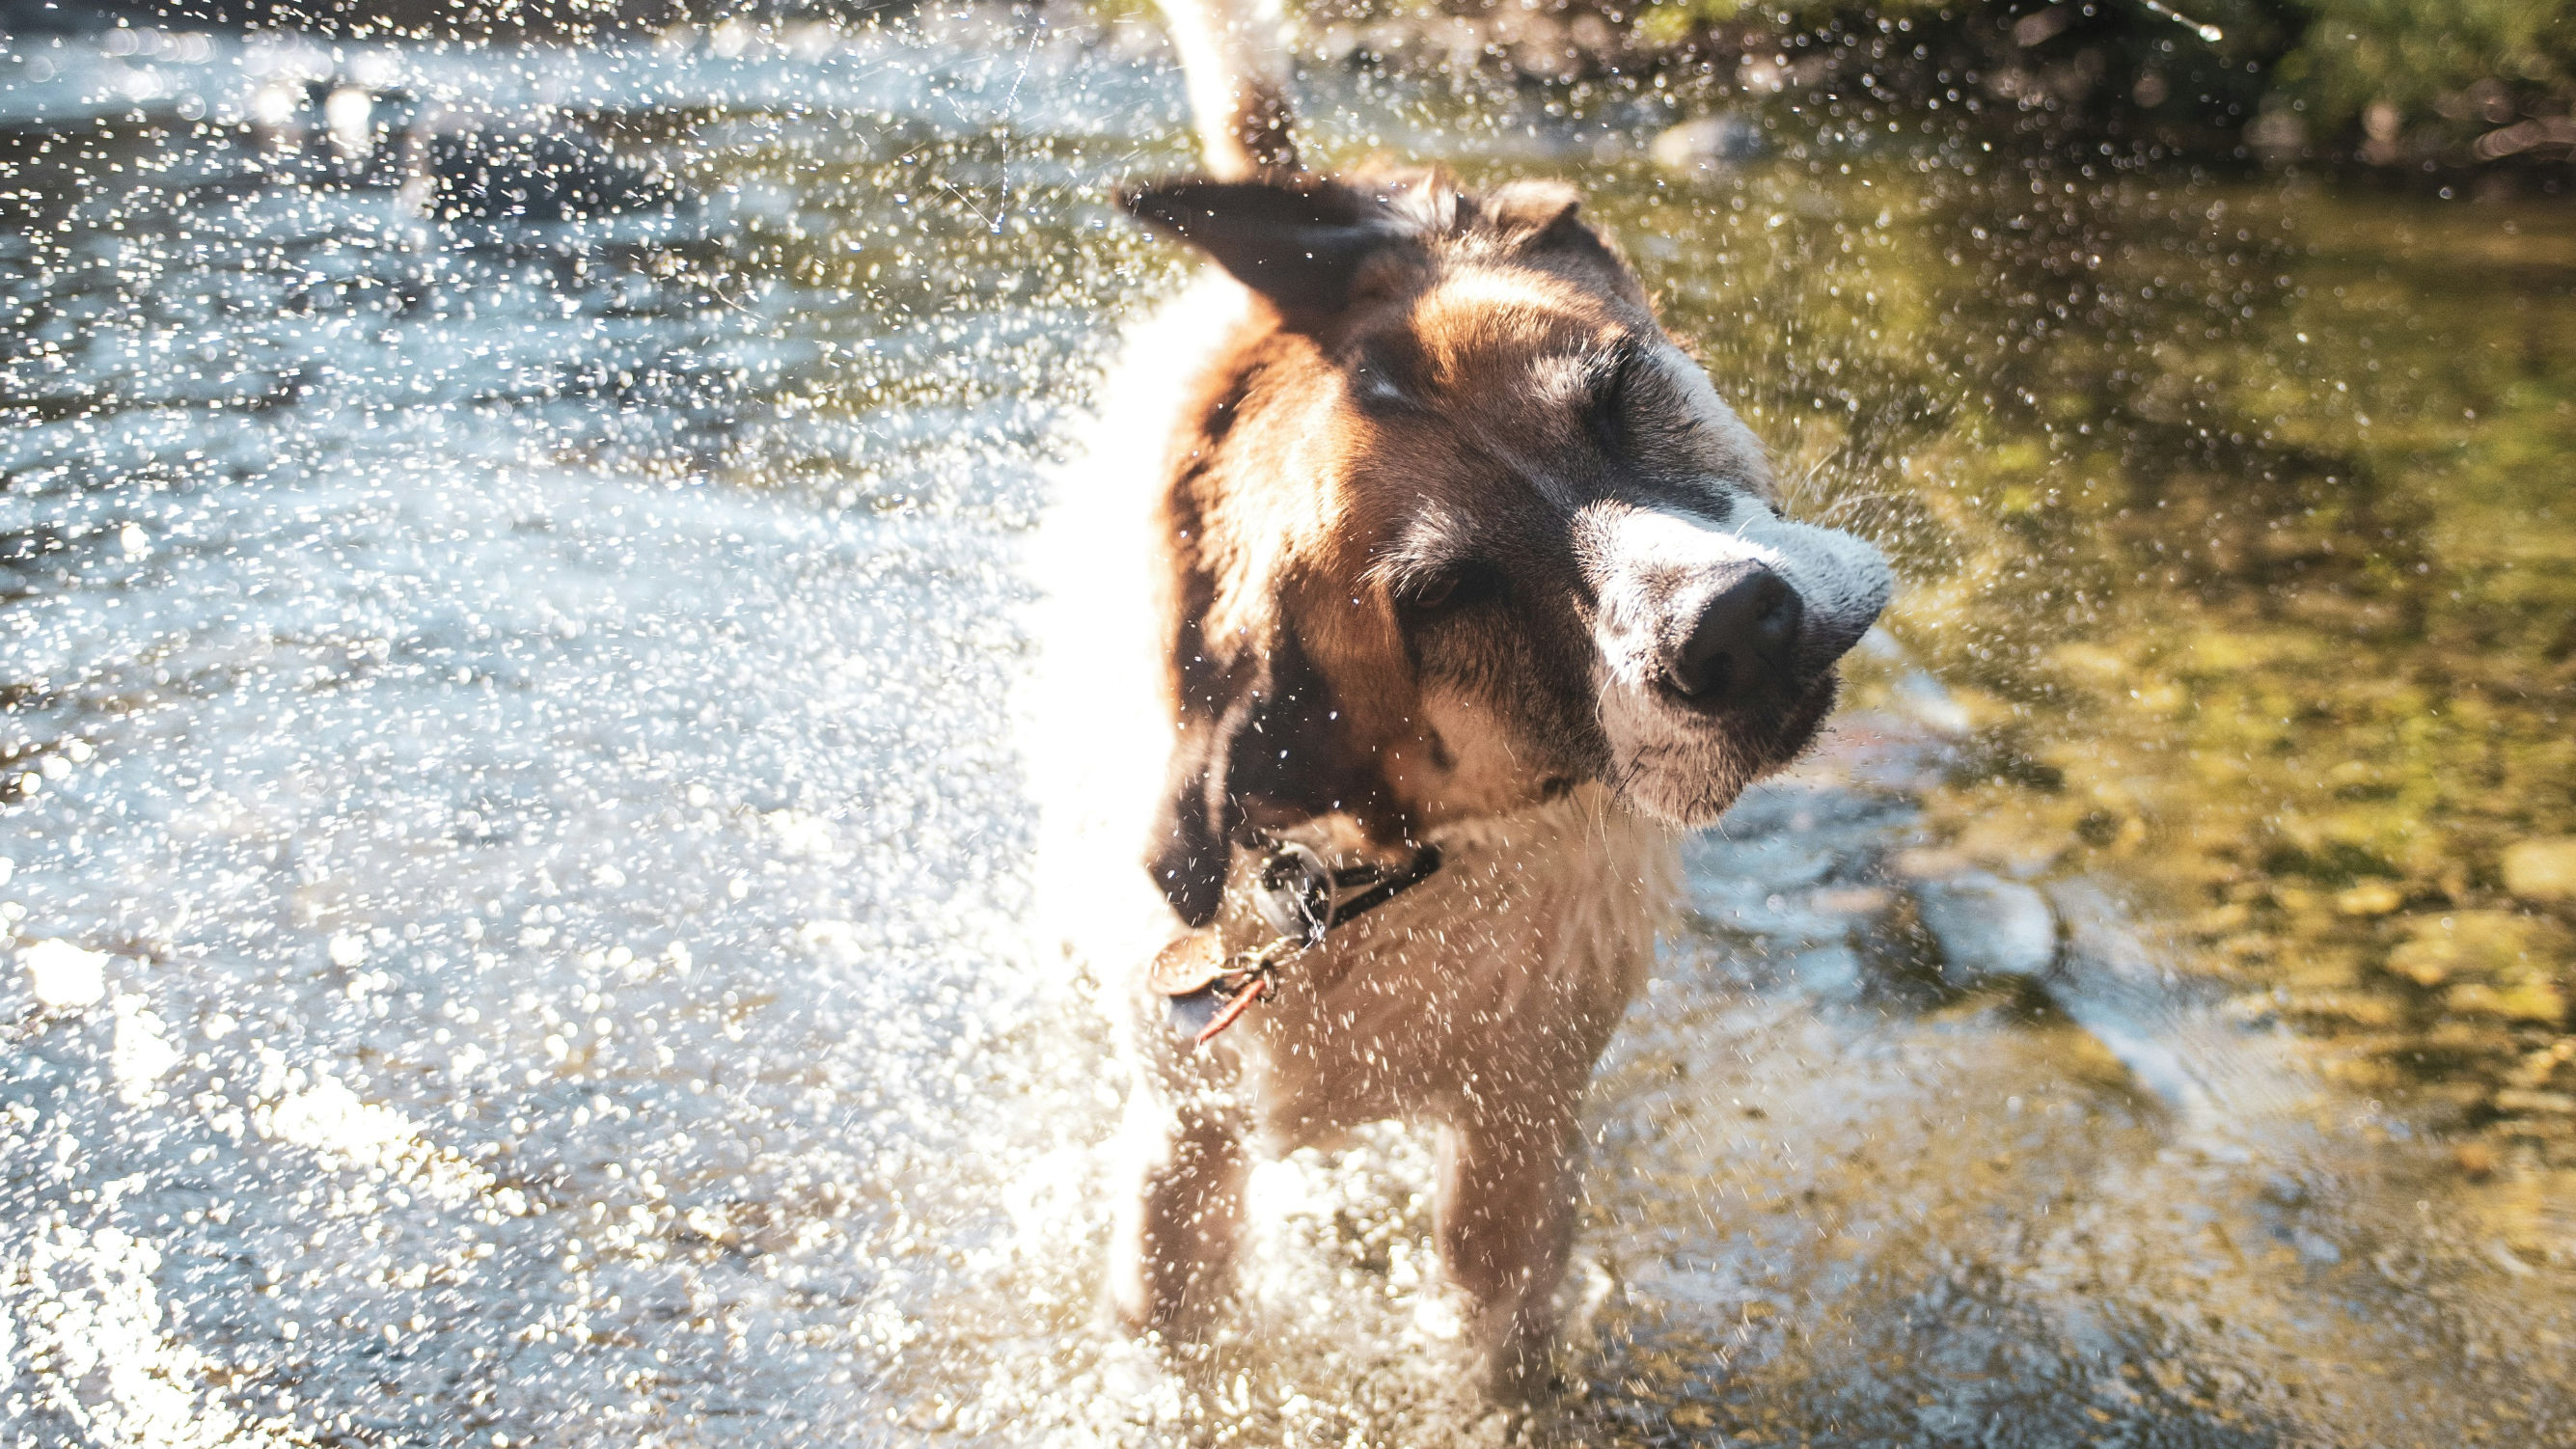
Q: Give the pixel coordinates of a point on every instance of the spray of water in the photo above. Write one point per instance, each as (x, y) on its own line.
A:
(517, 847)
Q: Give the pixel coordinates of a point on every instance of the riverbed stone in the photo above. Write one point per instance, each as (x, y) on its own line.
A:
(2542, 870)
(1708, 144)
(2530, 999)
(1986, 926)
(2466, 945)
(2488, 963)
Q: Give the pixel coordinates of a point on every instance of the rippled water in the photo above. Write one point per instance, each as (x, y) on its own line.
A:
(520, 875)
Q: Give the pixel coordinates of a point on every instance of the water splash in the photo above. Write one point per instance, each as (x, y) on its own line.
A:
(520, 875)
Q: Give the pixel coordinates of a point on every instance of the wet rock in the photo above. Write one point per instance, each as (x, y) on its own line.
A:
(1711, 143)
(2542, 870)
(1912, 691)
(2316, 1249)
(1987, 927)
(1852, 900)
(1777, 863)
(1834, 819)
(2488, 963)
(2529, 1000)
(1777, 867)
(1826, 971)
(2468, 945)
(2124, 993)
(1789, 920)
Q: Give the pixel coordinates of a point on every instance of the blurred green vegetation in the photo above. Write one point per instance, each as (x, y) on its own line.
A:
(2393, 83)
(2471, 61)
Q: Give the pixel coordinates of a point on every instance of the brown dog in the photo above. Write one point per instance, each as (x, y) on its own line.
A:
(1445, 544)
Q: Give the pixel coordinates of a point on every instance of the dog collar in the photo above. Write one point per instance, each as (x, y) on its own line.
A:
(1301, 899)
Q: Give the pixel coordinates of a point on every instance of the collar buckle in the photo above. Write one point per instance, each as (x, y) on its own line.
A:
(1301, 899)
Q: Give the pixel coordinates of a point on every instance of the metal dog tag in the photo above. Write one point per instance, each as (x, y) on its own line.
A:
(1189, 962)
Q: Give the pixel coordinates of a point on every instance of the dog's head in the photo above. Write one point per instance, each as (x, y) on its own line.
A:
(1458, 527)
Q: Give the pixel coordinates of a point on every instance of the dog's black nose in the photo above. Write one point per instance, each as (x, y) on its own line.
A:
(1743, 641)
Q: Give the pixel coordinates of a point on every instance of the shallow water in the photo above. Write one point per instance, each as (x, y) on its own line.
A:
(521, 705)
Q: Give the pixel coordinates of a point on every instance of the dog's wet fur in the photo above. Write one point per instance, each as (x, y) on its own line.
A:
(1452, 544)
(1444, 510)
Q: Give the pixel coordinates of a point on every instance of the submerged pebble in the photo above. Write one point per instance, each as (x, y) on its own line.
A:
(1710, 143)
(1987, 927)
(2542, 870)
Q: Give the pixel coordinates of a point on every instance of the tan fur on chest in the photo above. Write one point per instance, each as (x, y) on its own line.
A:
(1502, 977)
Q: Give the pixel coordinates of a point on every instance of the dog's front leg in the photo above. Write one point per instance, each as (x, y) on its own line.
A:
(1506, 1221)
(1173, 1259)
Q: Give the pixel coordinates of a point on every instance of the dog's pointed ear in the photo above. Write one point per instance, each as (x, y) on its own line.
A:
(1527, 210)
(1302, 243)
(1540, 216)
(1262, 746)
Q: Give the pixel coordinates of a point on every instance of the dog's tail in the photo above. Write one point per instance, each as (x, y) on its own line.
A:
(1236, 60)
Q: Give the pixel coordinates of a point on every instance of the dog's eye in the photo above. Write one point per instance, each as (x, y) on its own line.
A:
(1452, 588)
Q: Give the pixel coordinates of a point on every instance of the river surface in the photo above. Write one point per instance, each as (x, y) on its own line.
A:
(520, 878)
